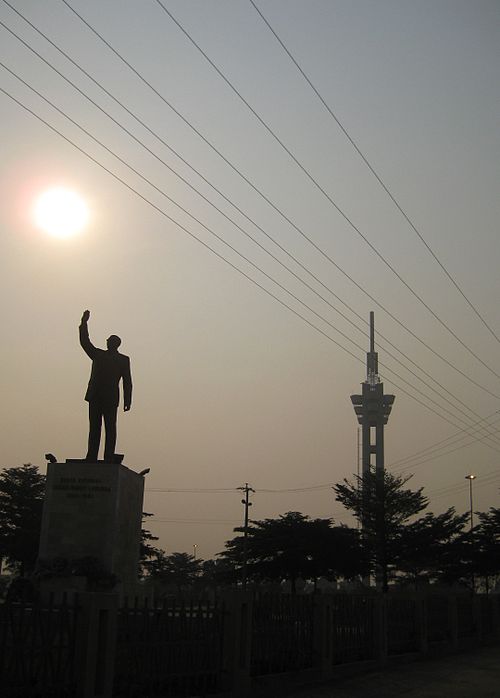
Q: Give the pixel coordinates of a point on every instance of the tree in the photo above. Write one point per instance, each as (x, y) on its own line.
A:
(429, 546)
(485, 545)
(293, 546)
(178, 569)
(217, 573)
(148, 552)
(383, 506)
(22, 492)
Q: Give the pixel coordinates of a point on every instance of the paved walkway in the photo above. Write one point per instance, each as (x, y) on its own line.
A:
(468, 675)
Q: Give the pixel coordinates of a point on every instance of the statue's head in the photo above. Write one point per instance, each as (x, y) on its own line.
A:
(113, 342)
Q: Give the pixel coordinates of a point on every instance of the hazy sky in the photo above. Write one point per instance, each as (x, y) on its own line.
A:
(230, 386)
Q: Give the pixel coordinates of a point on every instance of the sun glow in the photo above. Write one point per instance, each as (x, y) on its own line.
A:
(61, 212)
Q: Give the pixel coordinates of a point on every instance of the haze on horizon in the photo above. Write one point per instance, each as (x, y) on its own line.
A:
(230, 386)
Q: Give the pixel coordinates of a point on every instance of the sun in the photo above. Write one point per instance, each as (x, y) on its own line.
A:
(61, 212)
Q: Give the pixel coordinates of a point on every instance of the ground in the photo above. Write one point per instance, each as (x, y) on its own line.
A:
(466, 675)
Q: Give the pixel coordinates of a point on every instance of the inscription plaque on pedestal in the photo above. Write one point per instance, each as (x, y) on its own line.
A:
(94, 510)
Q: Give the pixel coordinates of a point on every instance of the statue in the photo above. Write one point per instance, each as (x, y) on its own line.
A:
(103, 395)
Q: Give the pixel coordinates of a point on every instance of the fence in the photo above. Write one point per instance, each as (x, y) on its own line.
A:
(282, 633)
(38, 649)
(90, 647)
(173, 650)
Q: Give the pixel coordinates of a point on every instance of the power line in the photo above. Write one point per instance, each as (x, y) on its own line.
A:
(217, 236)
(183, 228)
(431, 456)
(197, 490)
(374, 171)
(197, 220)
(213, 233)
(214, 206)
(324, 192)
(437, 445)
(94, 138)
(193, 490)
(311, 488)
(188, 232)
(265, 198)
(128, 132)
(219, 210)
(483, 481)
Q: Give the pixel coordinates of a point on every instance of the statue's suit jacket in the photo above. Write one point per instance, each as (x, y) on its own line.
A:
(108, 367)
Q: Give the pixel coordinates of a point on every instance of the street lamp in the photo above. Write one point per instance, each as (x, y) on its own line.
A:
(470, 478)
(195, 547)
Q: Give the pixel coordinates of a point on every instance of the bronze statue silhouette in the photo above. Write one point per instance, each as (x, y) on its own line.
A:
(103, 394)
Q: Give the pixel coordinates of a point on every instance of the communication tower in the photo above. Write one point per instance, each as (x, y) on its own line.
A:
(372, 409)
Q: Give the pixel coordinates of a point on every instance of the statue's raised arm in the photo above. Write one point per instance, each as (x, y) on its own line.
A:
(85, 342)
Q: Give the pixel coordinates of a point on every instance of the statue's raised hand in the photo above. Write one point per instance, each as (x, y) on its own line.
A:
(86, 315)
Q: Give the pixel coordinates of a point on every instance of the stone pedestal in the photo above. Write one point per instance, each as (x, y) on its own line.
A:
(93, 510)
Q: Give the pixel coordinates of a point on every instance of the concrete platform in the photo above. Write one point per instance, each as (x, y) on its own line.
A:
(93, 510)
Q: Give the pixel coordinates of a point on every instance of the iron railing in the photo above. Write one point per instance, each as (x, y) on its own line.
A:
(351, 627)
(37, 649)
(438, 619)
(466, 622)
(202, 648)
(402, 624)
(282, 633)
(171, 650)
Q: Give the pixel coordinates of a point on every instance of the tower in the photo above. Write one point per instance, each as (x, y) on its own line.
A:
(372, 408)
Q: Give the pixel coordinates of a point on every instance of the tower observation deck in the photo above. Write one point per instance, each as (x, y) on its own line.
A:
(372, 409)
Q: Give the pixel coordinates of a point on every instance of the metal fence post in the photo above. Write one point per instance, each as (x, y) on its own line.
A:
(477, 617)
(380, 627)
(421, 609)
(237, 643)
(323, 634)
(453, 620)
(95, 644)
(495, 611)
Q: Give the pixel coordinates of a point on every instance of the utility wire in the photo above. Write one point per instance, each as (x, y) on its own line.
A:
(374, 171)
(221, 194)
(161, 191)
(434, 454)
(485, 479)
(437, 445)
(482, 481)
(242, 230)
(311, 488)
(433, 457)
(146, 179)
(265, 198)
(182, 227)
(324, 192)
(215, 234)
(193, 490)
(81, 150)
(80, 91)
(197, 490)
(208, 247)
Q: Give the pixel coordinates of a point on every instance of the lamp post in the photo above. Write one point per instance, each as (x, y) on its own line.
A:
(470, 478)
(195, 548)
